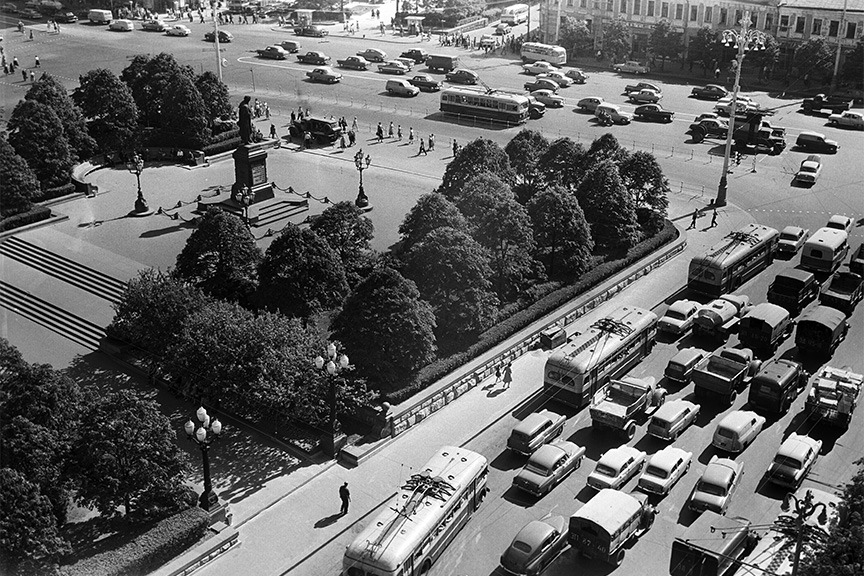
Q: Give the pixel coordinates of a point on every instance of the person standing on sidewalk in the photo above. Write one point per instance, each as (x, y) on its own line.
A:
(390, 130)
(431, 142)
(508, 375)
(345, 496)
(379, 132)
(410, 135)
(714, 219)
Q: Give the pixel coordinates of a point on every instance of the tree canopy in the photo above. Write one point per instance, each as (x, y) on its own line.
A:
(608, 208)
(563, 163)
(186, 123)
(52, 94)
(432, 211)
(476, 157)
(649, 191)
(110, 109)
(348, 232)
(524, 151)
(563, 236)
(575, 36)
(815, 58)
(664, 41)
(214, 95)
(616, 40)
(20, 186)
(36, 134)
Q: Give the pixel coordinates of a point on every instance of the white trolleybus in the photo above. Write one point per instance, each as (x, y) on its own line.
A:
(494, 105)
(515, 14)
(420, 521)
(734, 260)
(534, 51)
(607, 350)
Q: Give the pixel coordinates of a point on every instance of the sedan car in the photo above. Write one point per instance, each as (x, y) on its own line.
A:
(791, 240)
(66, 17)
(273, 52)
(644, 95)
(743, 105)
(408, 62)
(353, 62)
(810, 169)
(589, 104)
(578, 76)
(541, 84)
(673, 417)
(539, 67)
(373, 55)
(679, 317)
(393, 67)
(631, 67)
(793, 461)
(616, 467)
(535, 546)
(664, 469)
(154, 26)
(313, 57)
(223, 36)
(462, 76)
(30, 14)
(653, 113)
(709, 92)
(324, 74)
(426, 82)
(548, 466)
(717, 485)
(840, 222)
(178, 30)
(121, 25)
(549, 98)
(558, 77)
(502, 29)
(417, 55)
(710, 127)
(848, 119)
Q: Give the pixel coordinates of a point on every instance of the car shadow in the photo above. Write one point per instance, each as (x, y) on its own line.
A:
(508, 460)
(706, 454)
(686, 517)
(585, 494)
(519, 498)
(596, 443)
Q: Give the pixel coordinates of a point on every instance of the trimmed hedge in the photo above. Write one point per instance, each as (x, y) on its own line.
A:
(222, 146)
(35, 214)
(51, 193)
(504, 329)
(162, 543)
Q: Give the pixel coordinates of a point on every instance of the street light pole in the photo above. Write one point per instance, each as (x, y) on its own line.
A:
(213, 9)
(804, 509)
(362, 164)
(135, 165)
(333, 365)
(209, 500)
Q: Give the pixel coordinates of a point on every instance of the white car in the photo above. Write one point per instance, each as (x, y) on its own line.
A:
(810, 169)
(178, 30)
(850, 119)
(679, 317)
(664, 469)
(548, 466)
(558, 77)
(792, 238)
(793, 461)
(121, 26)
(645, 95)
(717, 485)
(631, 67)
(616, 467)
(548, 98)
(539, 67)
(839, 222)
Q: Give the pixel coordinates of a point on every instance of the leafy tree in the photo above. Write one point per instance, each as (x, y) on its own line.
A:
(853, 66)
(29, 536)
(348, 232)
(11, 360)
(36, 134)
(149, 78)
(649, 191)
(220, 257)
(815, 58)
(564, 163)
(301, 274)
(704, 49)
(108, 105)
(186, 123)
(453, 274)
(608, 208)
(764, 60)
(214, 96)
(664, 41)
(606, 147)
(575, 36)
(616, 40)
(19, 185)
(563, 236)
(432, 211)
(524, 151)
(479, 156)
(386, 328)
(51, 93)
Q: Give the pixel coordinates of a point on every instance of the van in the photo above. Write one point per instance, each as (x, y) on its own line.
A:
(442, 63)
(535, 430)
(820, 331)
(793, 289)
(680, 367)
(291, 46)
(672, 418)
(825, 250)
(737, 430)
(776, 385)
(764, 327)
(816, 141)
(603, 527)
(613, 110)
(121, 26)
(100, 16)
(401, 88)
(711, 545)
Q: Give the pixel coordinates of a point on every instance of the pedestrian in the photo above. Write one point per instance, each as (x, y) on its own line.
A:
(354, 124)
(307, 140)
(352, 136)
(431, 142)
(15, 63)
(390, 131)
(23, 75)
(48, 26)
(56, 27)
(455, 148)
(714, 219)
(410, 135)
(342, 141)
(497, 374)
(345, 497)
(266, 111)
(379, 132)
(31, 34)
(273, 131)
(38, 63)
(399, 132)
(693, 221)
(293, 117)
(201, 17)
(422, 148)
(717, 73)
(5, 69)
(508, 375)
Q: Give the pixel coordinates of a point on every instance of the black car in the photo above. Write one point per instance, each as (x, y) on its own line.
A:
(314, 30)
(419, 56)
(425, 82)
(653, 113)
(709, 128)
(710, 92)
(223, 36)
(322, 130)
(65, 17)
(462, 76)
(30, 14)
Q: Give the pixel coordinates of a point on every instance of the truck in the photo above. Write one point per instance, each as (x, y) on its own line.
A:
(856, 261)
(618, 405)
(820, 102)
(720, 317)
(844, 292)
(723, 374)
(833, 396)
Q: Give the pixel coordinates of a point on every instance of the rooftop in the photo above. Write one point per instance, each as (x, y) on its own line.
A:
(852, 5)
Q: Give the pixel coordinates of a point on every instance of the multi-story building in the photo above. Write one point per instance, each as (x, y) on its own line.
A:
(835, 20)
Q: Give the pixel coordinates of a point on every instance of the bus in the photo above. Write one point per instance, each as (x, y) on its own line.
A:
(422, 518)
(534, 51)
(607, 350)
(497, 106)
(734, 260)
(515, 14)
(825, 250)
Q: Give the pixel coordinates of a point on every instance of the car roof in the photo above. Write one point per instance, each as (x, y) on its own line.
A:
(736, 418)
(672, 408)
(795, 274)
(534, 421)
(796, 446)
(824, 315)
(839, 219)
(536, 531)
(610, 509)
(668, 456)
(547, 455)
(616, 457)
(813, 158)
(720, 471)
(682, 305)
(796, 230)
(767, 312)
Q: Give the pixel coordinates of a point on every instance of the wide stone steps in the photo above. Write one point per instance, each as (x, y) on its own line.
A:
(269, 211)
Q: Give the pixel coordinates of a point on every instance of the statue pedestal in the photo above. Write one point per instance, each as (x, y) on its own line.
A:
(250, 170)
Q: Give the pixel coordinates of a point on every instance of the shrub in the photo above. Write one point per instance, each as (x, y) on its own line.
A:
(57, 192)
(36, 214)
(222, 146)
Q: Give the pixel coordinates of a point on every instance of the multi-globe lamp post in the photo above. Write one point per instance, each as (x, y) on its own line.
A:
(333, 438)
(204, 435)
(362, 164)
(744, 40)
(803, 508)
(135, 165)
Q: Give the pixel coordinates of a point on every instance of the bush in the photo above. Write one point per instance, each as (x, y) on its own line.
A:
(222, 146)
(36, 214)
(222, 135)
(58, 192)
(504, 329)
(167, 539)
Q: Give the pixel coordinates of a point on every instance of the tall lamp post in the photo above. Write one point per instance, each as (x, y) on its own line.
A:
(362, 164)
(204, 435)
(335, 363)
(743, 40)
(804, 509)
(135, 165)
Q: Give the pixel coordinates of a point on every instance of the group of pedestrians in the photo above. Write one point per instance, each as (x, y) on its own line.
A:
(697, 214)
(426, 145)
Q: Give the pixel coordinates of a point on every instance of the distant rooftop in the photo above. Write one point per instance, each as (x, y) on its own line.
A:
(835, 5)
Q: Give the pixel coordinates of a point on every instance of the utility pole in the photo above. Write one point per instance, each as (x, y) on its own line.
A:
(839, 50)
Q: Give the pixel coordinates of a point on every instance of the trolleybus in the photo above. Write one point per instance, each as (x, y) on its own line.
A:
(420, 521)
(498, 106)
(515, 14)
(534, 51)
(734, 260)
(607, 350)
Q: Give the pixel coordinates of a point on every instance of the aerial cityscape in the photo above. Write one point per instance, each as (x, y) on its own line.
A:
(444, 288)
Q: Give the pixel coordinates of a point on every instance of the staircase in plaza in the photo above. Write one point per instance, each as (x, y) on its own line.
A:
(268, 212)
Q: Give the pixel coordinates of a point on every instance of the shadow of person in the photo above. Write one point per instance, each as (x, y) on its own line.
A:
(328, 520)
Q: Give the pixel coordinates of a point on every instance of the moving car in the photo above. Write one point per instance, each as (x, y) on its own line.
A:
(291, 46)
(718, 484)
(615, 112)
(672, 418)
(840, 222)
(408, 62)
(664, 469)
(680, 367)
(743, 105)
(393, 67)
(462, 76)
(548, 98)
(426, 82)
(536, 429)
(153, 26)
(616, 467)
(642, 86)
(848, 119)
(535, 546)
(324, 74)
(314, 30)
(273, 53)
(539, 67)
(631, 67)
(66, 17)
(373, 55)
(223, 36)
(401, 87)
(178, 30)
(810, 169)
(548, 466)
(122, 26)
(737, 430)
(353, 62)
(653, 113)
(589, 104)
(314, 57)
(706, 115)
(792, 238)
(793, 461)
(578, 76)
(417, 55)
(558, 77)
(679, 317)
(541, 84)
(816, 141)
(645, 95)
(487, 40)
(710, 127)
(709, 92)
(502, 29)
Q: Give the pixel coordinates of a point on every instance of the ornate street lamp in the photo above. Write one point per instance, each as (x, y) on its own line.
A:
(205, 434)
(335, 363)
(135, 165)
(804, 509)
(362, 164)
(743, 41)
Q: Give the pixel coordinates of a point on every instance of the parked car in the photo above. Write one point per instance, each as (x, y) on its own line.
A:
(672, 418)
(718, 484)
(793, 461)
(10, 8)
(644, 96)
(679, 317)
(314, 57)
(373, 55)
(408, 62)
(642, 86)
(487, 40)
(631, 67)
(616, 467)
(178, 30)
(710, 128)
(653, 113)
(578, 76)
(401, 87)
(548, 466)
(548, 98)
(462, 76)
(535, 546)
(816, 141)
(30, 14)
(122, 25)
(791, 240)
(541, 84)
(539, 67)
(840, 222)
(536, 429)
(393, 67)
(65, 17)
(324, 74)
(426, 82)
(737, 430)
(709, 92)
(847, 120)
(706, 115)
(417, 55)
(589, 104)
(558, 77)
(664, 469)
(811, 168)
(353, 62)
(313, 30)
(154, 26)
(223, 36)
(273, 52)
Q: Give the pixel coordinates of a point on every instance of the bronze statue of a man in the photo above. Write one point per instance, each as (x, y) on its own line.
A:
(245, 121)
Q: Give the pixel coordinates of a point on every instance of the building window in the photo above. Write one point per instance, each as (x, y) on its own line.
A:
(784, 23)
(817, 26)
(679, 11)
(769, 21)
(754, 20)
(583, 3)
(738, 16)
(833, 28)
(637, 7)
(708, 14)
(694, 13)
(650, 8)
(569, 3)
(851, 28)
(664, 10)
(724, 15)
(610, 5)
(799, 25)
(622, 8)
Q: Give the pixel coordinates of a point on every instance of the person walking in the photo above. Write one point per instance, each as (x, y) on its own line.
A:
(345, 497)
(293, 117)
(399, 132)
(23, 75)
(693, 221)
(410, 135)
(713, 218)
(508, 375)
(379, 132)
(342, 141)
(390, 130)
(273, 135)
(354, 124)
(431, 142)
(422, 148)
(38, 63)
(352, 136)
(307, 140)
